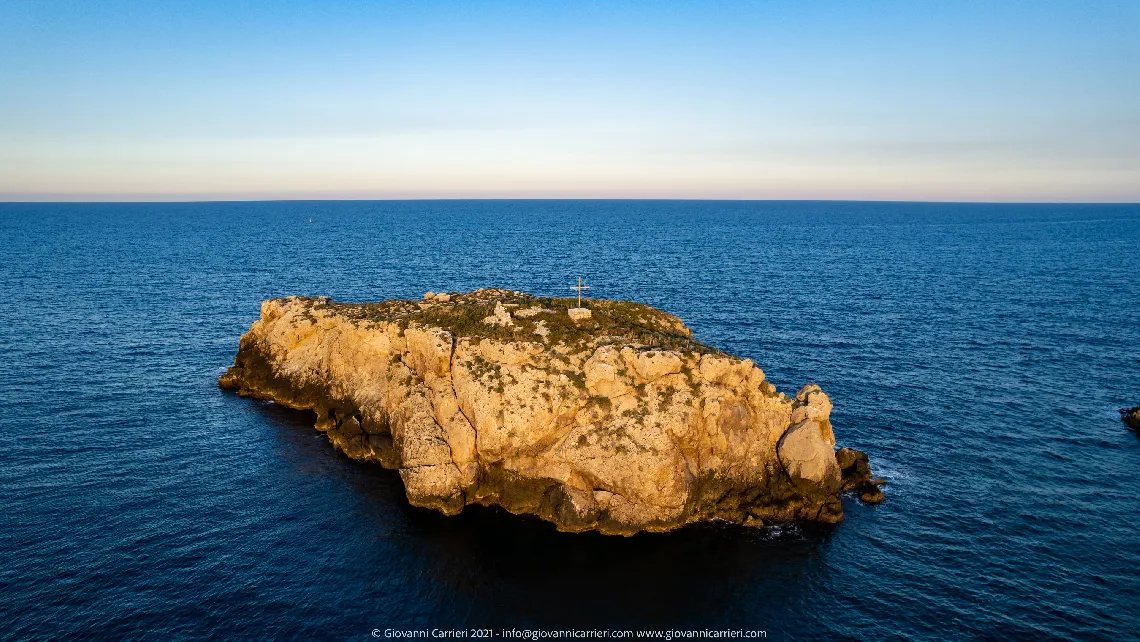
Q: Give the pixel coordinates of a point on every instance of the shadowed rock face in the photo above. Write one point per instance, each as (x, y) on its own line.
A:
(1131, 417)
(619, 422)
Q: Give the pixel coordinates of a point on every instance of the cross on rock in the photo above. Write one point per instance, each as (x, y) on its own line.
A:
(579, 288)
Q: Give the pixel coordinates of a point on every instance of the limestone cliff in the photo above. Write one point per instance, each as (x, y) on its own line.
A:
(613, 419)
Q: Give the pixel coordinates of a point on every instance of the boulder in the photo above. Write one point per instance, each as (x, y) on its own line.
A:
(1131, 417)
(856, 472)
(871, 494)
(854, 466)
(807, 449)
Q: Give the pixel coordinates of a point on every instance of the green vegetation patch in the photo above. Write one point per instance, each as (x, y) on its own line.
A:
(464, 316)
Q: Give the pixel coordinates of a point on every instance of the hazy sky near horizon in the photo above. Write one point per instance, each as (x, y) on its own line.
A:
(993, 101)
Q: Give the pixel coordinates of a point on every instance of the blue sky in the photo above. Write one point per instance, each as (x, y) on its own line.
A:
(991, 101)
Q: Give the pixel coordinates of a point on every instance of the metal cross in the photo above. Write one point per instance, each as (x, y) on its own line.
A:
(579, 288)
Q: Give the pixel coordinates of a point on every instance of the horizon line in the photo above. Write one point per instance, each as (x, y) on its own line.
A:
(549, 198)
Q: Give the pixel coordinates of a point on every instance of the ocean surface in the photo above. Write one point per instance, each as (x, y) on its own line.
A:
(978, 353)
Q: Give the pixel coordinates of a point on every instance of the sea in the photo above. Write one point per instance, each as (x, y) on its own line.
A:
(977, 352)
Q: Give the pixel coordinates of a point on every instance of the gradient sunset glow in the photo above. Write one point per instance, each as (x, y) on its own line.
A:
(1011, 101)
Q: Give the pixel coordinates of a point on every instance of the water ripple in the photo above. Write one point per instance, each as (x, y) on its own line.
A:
(978, 352)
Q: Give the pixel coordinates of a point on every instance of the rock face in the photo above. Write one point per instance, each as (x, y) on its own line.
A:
(619, 422)
(856, 471)
(1131, 417)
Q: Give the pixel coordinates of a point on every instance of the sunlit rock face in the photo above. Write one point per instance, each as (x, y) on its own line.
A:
(617, 422)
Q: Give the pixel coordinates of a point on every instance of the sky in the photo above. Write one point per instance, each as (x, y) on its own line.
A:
(933, 101)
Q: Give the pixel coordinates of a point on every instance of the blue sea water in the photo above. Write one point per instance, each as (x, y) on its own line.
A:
(978, 353)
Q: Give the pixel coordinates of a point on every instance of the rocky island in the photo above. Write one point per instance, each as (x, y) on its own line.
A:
(611, 418)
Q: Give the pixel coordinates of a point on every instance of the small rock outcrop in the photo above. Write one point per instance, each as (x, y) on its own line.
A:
(579, 315)
(1131, 417)
(855, 469)
(618, 421)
